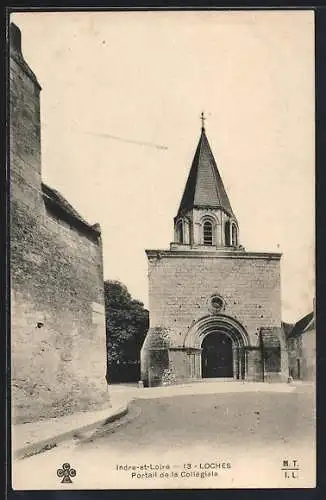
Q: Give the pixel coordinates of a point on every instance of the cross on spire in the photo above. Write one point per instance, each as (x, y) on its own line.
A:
(202, 117)
(204, 187)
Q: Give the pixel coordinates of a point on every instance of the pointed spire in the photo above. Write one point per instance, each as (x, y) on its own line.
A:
(204, 187)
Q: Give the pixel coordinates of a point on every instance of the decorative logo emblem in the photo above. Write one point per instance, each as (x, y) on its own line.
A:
(66, 473)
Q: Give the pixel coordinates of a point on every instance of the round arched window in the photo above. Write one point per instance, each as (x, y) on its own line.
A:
(180, 231)
(227, 234)
(234, 235)
(208, 233)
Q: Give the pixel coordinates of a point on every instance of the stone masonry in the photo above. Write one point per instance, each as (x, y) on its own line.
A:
(58, 342)
(207, 285)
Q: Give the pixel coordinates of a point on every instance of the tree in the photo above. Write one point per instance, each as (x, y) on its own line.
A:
(126, 326)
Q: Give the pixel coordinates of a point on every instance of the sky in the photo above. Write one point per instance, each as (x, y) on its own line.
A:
(121, 98)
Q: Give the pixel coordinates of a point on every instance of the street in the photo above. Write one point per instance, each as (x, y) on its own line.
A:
(237, 439)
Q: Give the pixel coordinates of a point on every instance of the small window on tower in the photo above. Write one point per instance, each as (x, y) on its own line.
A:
(227, 233)
(208, 233)
(180, 232)
(234, 235)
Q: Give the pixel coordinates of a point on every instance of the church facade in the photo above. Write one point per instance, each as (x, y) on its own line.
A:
(215, 309)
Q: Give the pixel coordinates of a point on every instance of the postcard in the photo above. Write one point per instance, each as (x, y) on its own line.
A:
(162, 170)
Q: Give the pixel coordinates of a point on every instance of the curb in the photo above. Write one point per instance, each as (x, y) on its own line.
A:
(51, 442)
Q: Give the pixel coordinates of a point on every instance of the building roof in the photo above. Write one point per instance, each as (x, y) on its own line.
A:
(304, 324)
(204, 187)
(65, 211)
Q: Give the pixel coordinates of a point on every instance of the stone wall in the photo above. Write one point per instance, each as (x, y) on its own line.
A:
(309, 355)
(180, 287)
(181, 284)
(57, 285)
(302, 356)
(58, 344)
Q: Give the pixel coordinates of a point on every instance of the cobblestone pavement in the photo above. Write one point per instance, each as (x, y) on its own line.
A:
(253, 432)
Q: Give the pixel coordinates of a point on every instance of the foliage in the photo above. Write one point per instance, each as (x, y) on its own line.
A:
(126, 327)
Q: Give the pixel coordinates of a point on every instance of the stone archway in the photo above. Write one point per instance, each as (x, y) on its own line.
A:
(218, 344)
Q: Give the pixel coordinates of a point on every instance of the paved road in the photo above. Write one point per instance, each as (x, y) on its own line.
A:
(254, 432)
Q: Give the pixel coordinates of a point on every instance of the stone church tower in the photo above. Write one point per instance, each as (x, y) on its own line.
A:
(215, 309)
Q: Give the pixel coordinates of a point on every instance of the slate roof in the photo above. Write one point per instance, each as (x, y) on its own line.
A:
(304, 324)
(204, 187)
(64, 210)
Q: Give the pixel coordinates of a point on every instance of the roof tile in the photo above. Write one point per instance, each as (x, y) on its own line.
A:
(204, 187)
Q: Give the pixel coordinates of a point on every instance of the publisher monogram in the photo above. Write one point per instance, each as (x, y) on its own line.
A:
(290, 469)
(66, 473)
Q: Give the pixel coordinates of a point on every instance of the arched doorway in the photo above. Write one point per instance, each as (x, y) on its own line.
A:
(217, 346)
(217, 356)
